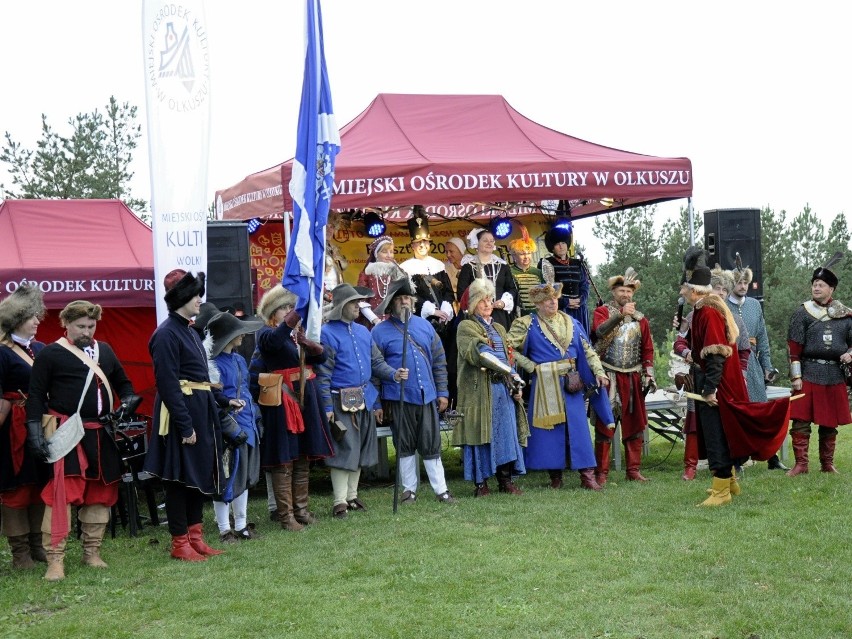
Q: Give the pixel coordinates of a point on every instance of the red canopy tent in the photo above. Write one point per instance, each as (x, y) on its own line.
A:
(96, 250)
(441, 149)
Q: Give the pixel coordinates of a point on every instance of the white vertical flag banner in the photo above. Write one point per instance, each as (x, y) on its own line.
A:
(312, 181)
(177, 100)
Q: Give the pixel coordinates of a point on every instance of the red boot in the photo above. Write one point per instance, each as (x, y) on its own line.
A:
(602, 449)
(633, 453)
(800, 441)
(826, 452)
(690, 456)
(587, 479)
(182, 549)
(197, 542)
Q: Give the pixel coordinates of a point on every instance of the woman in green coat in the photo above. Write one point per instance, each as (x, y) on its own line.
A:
(494, 428)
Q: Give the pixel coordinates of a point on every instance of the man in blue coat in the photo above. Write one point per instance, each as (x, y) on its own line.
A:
(414, 415)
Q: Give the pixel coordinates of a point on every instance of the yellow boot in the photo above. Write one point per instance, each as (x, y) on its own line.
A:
(735, 485)
(720, 493)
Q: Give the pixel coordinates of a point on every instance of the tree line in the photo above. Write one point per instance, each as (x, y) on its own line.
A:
(791, 249)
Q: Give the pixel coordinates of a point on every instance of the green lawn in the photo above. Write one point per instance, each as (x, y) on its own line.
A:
(635, 561)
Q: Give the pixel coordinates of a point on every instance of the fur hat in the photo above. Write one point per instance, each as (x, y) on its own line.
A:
(562, 233)
(181, 287)
(699, 280)
(723, 278)
(630, 279)
(25, 302)
(401, 286)
(543, 292)
(273, 299)
(418, 225)
(224, 327)
(524, 244)
(823, 273)
(77, 309)
(344, 293)
(480, 289)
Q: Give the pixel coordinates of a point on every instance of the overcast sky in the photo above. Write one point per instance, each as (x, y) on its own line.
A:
(754, 93)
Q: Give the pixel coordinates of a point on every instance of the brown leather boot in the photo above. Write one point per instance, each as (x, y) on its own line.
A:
(633, 457)
(183, 550)
(826, 452)
(93, 522)
(690, 456)
(800, 441)
(16, 527)
(555, 479)
(301, 483)
(602, 450)
(504, 480)
(282, 489)
(587, 479)
(481, 490)
(55, 559)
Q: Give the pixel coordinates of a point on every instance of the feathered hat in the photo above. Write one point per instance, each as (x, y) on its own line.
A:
(25, 302)
(719, 276)
(823, 273)
(741, 273)
(525, 244)
(630, 278)
(418, 225)
(181, 287)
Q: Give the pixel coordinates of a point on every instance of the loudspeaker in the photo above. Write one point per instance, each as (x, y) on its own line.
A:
(229, 266)
(731, 231)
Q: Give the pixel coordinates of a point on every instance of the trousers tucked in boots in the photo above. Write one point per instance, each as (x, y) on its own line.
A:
(555, 478)
(183, 550)
(800, 441)
(827, 441)
(282, 488)
(16, 528)
(504, 479)
(301, 474)
(35, 513)
(55, 554)
(690, 456)
(93, 523)
(633, 457)
(602, 449)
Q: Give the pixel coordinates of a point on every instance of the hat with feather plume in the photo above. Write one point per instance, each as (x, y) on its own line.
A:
(630, 278)
(825, 274)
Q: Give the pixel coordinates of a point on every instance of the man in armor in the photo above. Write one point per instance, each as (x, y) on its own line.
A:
(569, 270)
(760, 371)
(525, 274)
(819, 339)
(622, 338)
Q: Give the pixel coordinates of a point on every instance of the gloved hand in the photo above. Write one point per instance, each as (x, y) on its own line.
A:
(132, 403)
(311, 347)
(36, 441)
(292, 319)
(240, 439)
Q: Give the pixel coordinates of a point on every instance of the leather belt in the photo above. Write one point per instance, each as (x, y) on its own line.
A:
(822, 361)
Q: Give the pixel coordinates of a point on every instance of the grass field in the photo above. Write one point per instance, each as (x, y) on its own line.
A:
(635, 561)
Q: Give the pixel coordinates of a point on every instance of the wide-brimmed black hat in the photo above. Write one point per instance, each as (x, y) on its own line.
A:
(205, 314)
(344, 293)
(224, 327)
(400, 286)
(184, 289)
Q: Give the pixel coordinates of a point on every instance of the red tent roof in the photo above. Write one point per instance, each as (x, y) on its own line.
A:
(442, 149)
(96, 250)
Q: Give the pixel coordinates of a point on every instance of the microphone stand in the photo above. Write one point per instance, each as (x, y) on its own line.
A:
(406, 315)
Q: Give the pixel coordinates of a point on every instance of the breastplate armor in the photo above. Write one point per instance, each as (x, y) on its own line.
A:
(625, 351)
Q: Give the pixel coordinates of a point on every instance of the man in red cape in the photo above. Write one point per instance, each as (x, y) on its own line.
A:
(730, 427)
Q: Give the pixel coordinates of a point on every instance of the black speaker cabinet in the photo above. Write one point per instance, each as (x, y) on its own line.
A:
(229, 266)
(731, 231)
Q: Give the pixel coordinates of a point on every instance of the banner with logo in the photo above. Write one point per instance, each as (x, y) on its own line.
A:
(177, 99)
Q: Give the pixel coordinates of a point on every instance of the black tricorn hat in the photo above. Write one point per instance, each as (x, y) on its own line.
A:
(184, 289)
(400, 286)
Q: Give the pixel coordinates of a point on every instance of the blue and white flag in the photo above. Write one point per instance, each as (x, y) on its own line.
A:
(312, 181)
